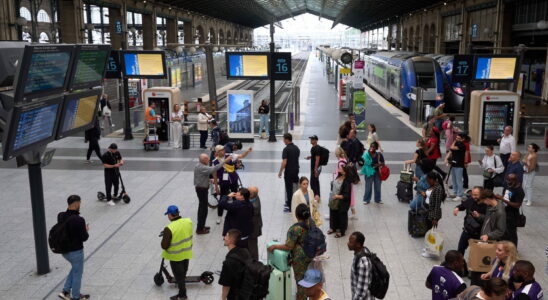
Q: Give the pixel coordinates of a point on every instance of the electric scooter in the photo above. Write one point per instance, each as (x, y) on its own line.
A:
(206, 277)
(124, 195)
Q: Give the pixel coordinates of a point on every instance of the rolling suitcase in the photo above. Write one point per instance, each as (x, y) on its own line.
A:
(186, 141)
(404, 191)
(417, 223)
(280, 285)
(278, 259)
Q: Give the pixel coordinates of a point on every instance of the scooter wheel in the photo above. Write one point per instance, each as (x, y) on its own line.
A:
(207, 277)
(126, 199)
(158, 279)
(101, 196)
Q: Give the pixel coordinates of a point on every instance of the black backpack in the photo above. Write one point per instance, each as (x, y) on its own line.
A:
(380, 278)
(58, 237)
(324, 156)
(254, 280)
(223, 137)
(314, 242)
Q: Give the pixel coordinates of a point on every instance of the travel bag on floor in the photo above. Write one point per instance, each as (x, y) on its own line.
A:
(280, 285)
(278, 259)
(406, 175)
(417, 223)
(404, 191)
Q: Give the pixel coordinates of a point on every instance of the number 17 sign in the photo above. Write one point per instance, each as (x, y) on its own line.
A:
(462, 68)
(280, 66)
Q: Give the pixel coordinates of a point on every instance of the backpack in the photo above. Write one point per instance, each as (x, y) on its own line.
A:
(324, 156)
(255, 279)
(380, 278)
(223, 137)
(314, 242)
(58, 237)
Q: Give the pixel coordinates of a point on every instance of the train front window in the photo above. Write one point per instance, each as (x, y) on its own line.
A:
(424, 71)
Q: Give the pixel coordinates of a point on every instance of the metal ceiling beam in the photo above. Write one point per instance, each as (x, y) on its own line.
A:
(288, 9)
(342, 13)
(321, 10)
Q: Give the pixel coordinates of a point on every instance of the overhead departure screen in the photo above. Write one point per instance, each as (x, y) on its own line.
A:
(47, 70)
(79, 112)
(144, 64)
(247, 65)
(35, 125)
(90, 66)
(495, 68)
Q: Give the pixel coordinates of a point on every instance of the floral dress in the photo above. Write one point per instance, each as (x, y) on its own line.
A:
(295, 240)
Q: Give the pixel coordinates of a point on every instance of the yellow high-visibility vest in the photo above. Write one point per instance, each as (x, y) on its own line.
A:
(181, 240)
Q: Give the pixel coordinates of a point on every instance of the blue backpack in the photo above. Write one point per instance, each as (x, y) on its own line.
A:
(314, 242)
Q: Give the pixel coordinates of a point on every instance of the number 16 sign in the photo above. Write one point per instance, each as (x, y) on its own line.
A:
(280, 66)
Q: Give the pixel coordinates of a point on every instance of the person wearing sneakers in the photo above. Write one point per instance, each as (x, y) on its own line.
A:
(455, 157)
(112, 161)
(313, 285)
(290, 169)
(77, 235)
(177, 245)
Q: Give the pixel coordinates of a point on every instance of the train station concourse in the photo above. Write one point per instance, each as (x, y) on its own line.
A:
(423, 107)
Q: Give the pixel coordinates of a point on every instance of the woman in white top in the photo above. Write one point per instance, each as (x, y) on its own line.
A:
(372, 136)
(530, 168)
(492, 165)
(305, 195)
(176, 126)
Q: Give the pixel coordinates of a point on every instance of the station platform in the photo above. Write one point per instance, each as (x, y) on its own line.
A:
(123, 251)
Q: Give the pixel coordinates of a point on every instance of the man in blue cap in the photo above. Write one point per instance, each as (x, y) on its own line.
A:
(177, 245)
(312, 283)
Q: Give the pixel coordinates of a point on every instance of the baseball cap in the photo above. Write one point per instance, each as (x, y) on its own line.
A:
(113, 146)
(314, 137)
(311, 278)
(172, 210)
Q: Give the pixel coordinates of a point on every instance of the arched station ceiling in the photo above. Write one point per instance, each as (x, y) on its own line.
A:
(256, 13)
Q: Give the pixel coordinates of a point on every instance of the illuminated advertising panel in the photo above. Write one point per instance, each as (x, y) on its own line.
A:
(240, 113)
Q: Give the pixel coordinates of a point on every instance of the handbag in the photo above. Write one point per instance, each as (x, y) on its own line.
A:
(487, 175)
(521, 219)
(471, 225)
(334, 204)
(406, 175)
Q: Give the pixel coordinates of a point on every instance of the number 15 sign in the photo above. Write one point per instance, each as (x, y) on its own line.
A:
(463, 66)
(280, 66)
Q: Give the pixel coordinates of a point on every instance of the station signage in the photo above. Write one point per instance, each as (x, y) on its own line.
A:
(463, 66)
(280, 66)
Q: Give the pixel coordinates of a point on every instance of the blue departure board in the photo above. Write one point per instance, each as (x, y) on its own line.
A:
(35, 125)
(47, 71)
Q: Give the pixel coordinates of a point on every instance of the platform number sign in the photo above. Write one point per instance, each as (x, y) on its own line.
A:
(280, 66)
(113, 65)
(462, 68)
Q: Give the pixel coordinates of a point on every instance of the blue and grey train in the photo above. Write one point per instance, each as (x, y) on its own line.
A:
(393, 73)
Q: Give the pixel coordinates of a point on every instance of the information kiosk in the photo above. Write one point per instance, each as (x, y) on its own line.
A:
(165, 98)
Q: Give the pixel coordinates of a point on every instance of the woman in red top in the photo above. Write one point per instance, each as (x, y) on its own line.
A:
(433, 149)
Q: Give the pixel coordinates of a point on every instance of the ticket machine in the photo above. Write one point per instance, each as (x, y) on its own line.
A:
(165, 98)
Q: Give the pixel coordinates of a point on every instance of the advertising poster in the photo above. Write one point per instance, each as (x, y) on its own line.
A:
(240, 113)
(359, 108)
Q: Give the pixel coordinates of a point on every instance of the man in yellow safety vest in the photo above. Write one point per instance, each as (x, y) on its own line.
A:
(177, 245)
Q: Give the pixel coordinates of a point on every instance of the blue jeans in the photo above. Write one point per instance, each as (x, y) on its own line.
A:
(74, 278)
(372, 182)
(456, 174)
(418, 172)
(263, 123)
(417, 202)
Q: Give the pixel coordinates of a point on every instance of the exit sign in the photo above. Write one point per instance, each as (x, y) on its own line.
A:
(280, 66)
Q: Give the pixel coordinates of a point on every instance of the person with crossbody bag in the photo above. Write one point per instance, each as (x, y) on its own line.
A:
(492, 167)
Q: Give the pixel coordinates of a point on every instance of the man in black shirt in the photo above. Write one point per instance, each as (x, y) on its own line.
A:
(239, 214)
(78, 233)
(92, 136)
(455, 158)
(290, 167)
(233, 266)
(513, 198)
(112, 161)
(315, 168)
(264, 109)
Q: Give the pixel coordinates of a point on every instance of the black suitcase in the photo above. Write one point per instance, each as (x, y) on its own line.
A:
(404, 191)
(186, 141)
(417, 223)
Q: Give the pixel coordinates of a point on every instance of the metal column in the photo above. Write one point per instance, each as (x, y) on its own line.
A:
(272, 133)
(211, 84)
(38, 218)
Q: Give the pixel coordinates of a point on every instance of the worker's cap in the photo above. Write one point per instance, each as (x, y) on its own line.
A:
(311, 278)
(314, 137)
(113, 146)
(219, 148)
(172, 210)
